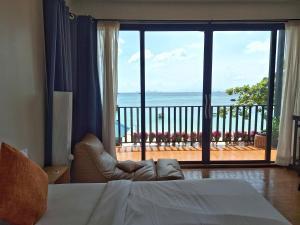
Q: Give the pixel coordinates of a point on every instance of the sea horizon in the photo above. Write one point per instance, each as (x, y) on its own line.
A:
(126, 99)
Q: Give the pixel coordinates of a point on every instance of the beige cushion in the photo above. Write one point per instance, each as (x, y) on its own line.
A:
(93, 164)
(108, 167)
(129, 166)
(168, 169)
(85, 168)
(147, 172)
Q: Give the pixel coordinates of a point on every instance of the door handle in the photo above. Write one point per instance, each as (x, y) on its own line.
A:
(205, 110)
(209, 106)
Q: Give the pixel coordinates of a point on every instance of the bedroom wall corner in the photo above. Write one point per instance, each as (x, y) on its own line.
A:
(22, 63)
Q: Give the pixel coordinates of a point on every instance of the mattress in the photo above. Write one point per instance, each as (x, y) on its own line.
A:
(189, 202)
(71, 204)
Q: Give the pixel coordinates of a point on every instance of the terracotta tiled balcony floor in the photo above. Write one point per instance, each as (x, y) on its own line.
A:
(190, 153)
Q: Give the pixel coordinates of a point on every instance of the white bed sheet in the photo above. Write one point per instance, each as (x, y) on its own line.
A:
(191, 202)
(71, 204)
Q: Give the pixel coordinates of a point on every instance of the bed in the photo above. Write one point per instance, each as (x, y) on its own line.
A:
(188, 202)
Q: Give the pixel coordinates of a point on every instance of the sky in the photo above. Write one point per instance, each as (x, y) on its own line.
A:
(174, 60)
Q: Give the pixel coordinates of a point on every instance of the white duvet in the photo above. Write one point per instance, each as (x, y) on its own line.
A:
(194, 202)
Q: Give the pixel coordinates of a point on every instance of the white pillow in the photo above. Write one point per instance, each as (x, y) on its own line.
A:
(25, 152)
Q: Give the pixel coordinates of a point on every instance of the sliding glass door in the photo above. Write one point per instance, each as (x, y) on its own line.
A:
(203, 92)
(239, 96)
(173, 94)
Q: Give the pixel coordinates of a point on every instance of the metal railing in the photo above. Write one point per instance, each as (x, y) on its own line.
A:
(229, 123)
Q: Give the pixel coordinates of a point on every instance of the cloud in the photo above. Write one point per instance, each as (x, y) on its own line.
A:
(136, 56)
(258, 46)
(178, 53)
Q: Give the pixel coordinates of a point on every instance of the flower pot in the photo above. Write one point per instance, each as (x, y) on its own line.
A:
(260, 141)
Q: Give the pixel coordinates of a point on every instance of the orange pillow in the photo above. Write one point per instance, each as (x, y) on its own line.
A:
(23, 188)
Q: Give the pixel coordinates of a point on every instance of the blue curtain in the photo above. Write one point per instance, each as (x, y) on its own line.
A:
(71, 65)
(87, 111)
(58, 61)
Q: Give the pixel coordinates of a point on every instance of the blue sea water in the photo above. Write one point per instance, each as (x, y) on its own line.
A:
(173, 99)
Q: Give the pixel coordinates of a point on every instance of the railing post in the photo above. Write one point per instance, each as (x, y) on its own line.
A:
(169, 120)
(125, 122)
(224, 121)
(198, 120)
(131, 124)
(237, 119)
(218, 114)
(192, 119)
(185, 118)
(180, 119)
(162, 120)
(119, 127)
(249, 121)
(256, 118)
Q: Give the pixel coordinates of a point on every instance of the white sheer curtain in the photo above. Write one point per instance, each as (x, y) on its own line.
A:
(291, 93)
(108, 34)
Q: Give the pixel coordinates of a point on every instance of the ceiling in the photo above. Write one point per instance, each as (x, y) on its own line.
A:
(203, 1)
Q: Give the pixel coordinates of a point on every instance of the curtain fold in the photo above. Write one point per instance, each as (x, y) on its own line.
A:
(108, 34)
(58, 61)
(87, 109)
(291, 93)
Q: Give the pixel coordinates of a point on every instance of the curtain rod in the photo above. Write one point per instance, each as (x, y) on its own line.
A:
(127, 21)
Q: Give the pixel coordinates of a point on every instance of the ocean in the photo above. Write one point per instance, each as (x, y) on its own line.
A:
(193, 123)
(173, 99)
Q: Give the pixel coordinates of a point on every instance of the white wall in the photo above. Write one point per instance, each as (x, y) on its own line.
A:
(22, 76)
(147, 10)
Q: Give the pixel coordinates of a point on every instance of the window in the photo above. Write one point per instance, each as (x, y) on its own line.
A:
(181, 77)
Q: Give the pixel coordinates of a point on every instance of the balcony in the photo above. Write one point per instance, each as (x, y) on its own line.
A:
(176, 132)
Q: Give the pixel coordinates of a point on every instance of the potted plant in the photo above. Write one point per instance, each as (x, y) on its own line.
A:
(199, 137)
(152, 136)
(216, 135)
(245, 138)
(167, 138)
(163, 137)
(236, 136)
(146, 136)
(173, 139)
(135, 138)
(260, 139)
(252, 135)
(159, 138)
(227, 138)
(177, 137)
(193, 137)
(185, 137)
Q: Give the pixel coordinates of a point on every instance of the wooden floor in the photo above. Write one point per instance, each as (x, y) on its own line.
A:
(277, 185)
(190, 153)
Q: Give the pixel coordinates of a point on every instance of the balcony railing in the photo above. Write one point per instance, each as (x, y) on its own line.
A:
(230, 123)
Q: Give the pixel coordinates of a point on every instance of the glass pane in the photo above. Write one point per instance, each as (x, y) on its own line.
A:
(128, 124)
(174, 82)
(239, 95)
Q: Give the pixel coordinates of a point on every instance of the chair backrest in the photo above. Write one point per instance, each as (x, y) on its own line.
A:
(85, 168)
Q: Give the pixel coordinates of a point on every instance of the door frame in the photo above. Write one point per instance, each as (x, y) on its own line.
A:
(208, 28)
